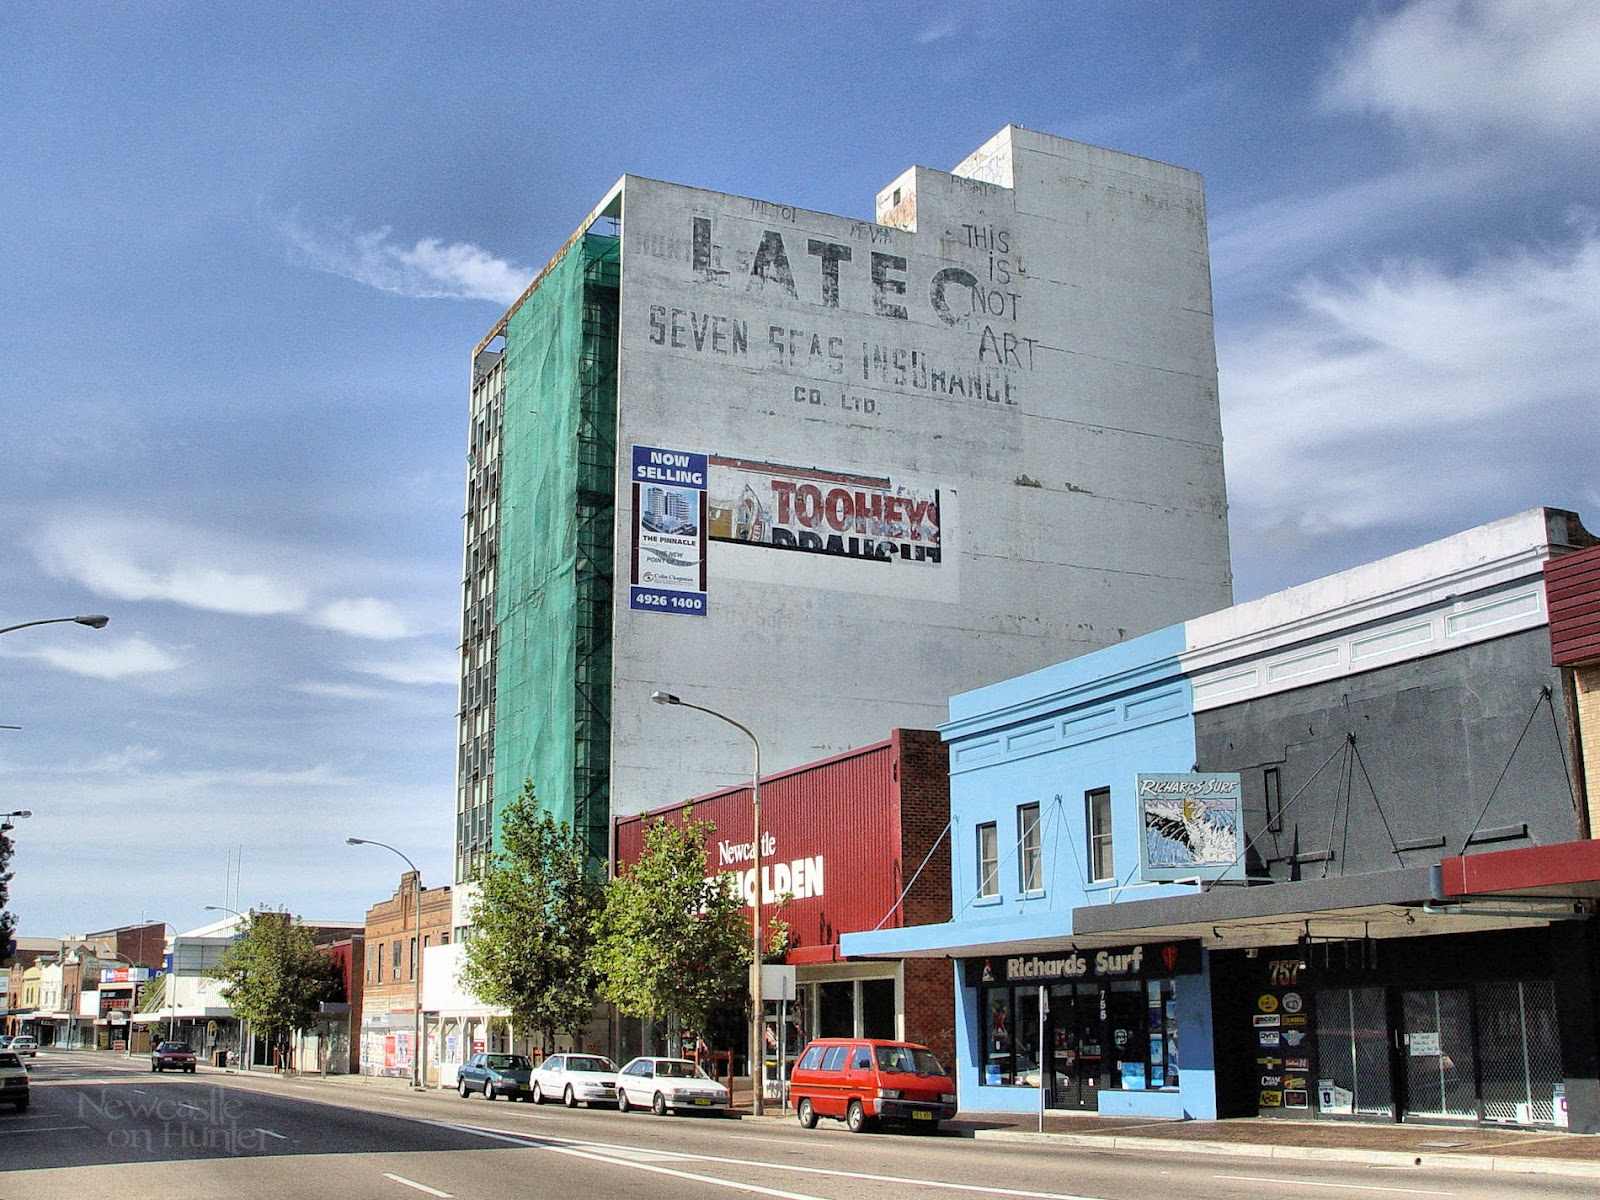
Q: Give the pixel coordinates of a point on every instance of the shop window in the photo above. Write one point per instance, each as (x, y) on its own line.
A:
(1163, 1034)
(877, 1009)
(999, 1065)
(836, 1009)
(988, 861)
(1030, 876)
(1098, 811)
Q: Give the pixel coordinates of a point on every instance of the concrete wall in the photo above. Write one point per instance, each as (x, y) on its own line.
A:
(1447, 747)
(1032, 347)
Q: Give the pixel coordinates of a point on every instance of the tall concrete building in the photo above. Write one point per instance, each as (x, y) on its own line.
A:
(819, 473)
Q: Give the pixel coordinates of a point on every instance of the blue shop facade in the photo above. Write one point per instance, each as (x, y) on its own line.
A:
(1043, 773)
(1316, 856)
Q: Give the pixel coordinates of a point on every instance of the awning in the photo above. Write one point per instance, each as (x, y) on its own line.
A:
(1385, 904)
(1564, 871)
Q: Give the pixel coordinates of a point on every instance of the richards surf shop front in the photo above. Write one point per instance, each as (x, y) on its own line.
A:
(1099, 1029)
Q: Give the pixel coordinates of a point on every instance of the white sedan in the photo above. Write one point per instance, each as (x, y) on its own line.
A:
(575, 1079)
(669, 1085)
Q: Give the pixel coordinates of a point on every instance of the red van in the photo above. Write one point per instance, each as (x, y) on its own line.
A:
(862, 1081)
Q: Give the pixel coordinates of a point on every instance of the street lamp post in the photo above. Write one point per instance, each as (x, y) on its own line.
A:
(416, 957)
(758, 1019)
(92, 620)
(242, 1064)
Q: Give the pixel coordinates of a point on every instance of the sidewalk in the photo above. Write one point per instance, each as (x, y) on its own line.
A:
(1527, 1151)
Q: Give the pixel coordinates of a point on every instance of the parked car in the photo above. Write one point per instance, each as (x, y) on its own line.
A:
(24, 1043)
(172, 1056)
(13, 1081)
(861, 1081)
(575, 1079)
(669, 1085)
(495, 1075)
(5, 1041)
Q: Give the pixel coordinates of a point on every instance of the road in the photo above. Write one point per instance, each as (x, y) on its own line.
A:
(104, 1126)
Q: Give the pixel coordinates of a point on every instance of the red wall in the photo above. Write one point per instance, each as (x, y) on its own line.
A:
(870, 816)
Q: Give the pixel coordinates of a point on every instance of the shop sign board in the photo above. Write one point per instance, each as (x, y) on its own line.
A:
(1192, 826)
(124, 975)
(1154, 961)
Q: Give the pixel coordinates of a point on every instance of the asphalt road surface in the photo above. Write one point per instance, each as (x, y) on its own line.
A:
(105, 1126)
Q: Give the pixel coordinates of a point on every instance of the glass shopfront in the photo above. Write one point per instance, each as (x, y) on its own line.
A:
(1107, 1020)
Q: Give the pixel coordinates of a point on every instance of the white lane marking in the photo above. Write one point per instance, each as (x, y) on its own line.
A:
(282, 1137)
(43, 1129)
(421, 1187)
(604, 1152)
(1353, 1187)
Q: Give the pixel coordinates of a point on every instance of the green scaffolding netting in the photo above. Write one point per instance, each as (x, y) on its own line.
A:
(557, 505)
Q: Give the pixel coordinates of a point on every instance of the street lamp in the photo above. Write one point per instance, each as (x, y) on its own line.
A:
(416, 957)
(243, 1064)
(93, 621)
(758, 1019)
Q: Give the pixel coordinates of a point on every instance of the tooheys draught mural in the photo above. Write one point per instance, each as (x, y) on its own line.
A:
(816, 511)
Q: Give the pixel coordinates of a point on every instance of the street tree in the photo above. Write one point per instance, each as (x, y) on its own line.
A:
(276, 976)
(8, 922)
(674, 944)
(533, 924)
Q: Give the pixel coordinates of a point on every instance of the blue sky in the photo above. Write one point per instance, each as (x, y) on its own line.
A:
(246, 250)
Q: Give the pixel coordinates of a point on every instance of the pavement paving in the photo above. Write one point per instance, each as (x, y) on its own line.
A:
(1469, 1147)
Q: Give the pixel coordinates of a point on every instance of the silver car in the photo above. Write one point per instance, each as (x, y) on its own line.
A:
(575, 1079)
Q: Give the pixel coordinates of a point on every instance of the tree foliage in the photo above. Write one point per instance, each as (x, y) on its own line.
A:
(533, 924)
(275, 976)
(672, 943)
(7, 921)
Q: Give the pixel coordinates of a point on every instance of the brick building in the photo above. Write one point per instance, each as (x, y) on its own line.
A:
(853, 842)
(390, 978)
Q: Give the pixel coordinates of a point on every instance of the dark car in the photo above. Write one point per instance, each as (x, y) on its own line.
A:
(172, 1056)
(495, 1075)
(13, 1081)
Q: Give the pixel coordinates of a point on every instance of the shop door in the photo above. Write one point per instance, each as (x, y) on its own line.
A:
(1073, 1034)
(1353, 1060)
(1519, 1060)
(1437, 1048)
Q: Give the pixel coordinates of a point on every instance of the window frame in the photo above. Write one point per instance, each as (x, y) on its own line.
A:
(1272, 794)
(988, 863)
(1098, 835)
(1030, 849)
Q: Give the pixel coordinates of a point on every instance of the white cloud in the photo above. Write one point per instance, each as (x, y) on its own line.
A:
(365, 617)
(431, 269)
(1458, 67)
(442, 668)
(1363, 403)
(108, 658)
(1263, 242)
(341, 691)
(133, 558)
